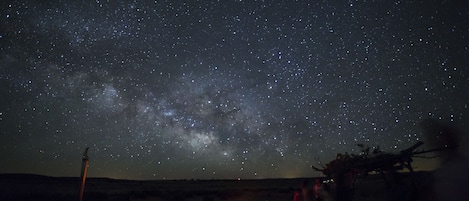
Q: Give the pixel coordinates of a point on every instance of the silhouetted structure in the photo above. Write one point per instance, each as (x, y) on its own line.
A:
(84, 170)
(345, 168)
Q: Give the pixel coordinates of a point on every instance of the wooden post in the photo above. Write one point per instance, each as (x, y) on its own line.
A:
(84, 170)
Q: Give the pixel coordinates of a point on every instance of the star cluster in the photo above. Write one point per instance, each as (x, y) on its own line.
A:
(223, 89)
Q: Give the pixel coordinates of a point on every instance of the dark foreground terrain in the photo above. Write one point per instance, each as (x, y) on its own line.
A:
(36, 187)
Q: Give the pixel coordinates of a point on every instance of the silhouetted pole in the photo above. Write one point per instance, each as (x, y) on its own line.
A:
(84, 169)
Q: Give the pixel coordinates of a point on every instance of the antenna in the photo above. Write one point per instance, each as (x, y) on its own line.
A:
(84, 170)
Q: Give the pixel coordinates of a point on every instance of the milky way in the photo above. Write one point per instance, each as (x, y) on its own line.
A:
(223, 89)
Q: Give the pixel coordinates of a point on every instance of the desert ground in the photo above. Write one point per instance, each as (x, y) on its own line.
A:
(37, 187)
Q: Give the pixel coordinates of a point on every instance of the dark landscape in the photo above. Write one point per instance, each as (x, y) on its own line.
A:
(37, 187)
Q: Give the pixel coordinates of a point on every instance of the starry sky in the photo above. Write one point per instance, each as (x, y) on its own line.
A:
(223, 89)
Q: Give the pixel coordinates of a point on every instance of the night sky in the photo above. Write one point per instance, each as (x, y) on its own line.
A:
(223, 89)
